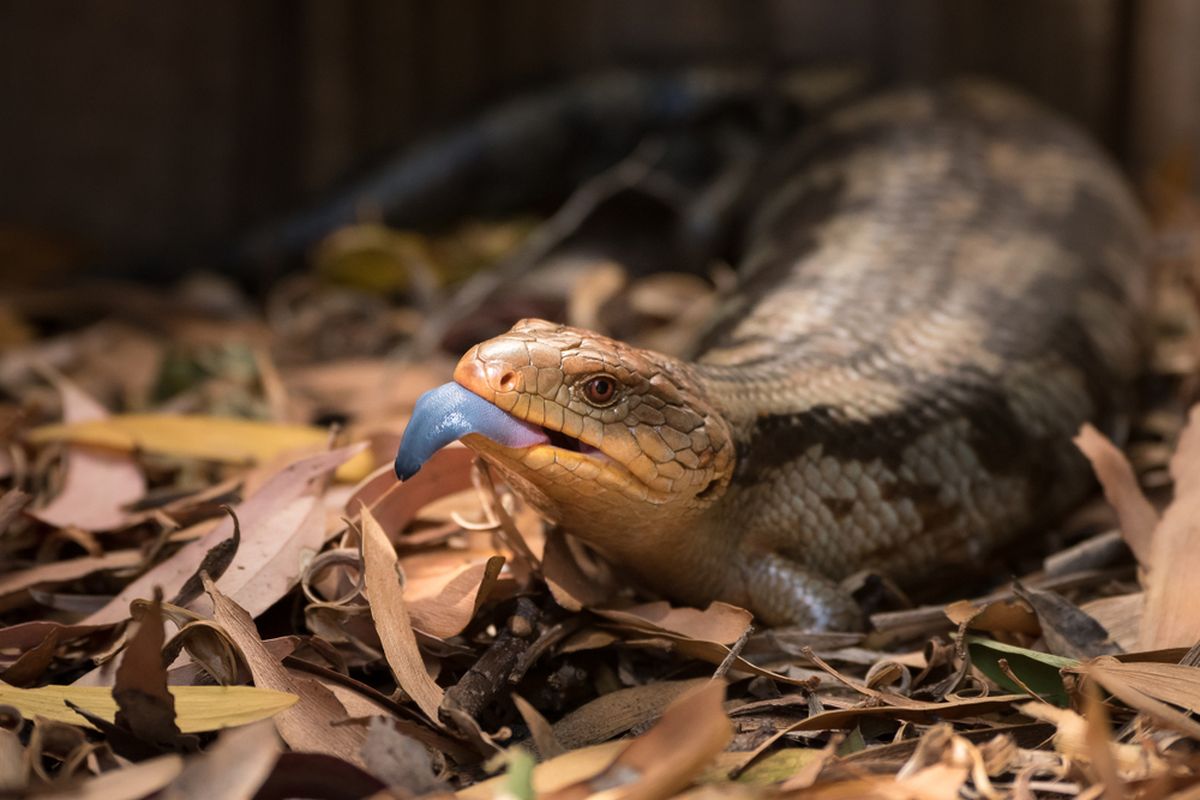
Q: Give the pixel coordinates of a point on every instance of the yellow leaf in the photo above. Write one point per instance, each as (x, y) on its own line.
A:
(197, 708)
(556, 773)
(225, 439)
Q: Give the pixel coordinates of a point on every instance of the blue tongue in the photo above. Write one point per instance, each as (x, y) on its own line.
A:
(450, 412)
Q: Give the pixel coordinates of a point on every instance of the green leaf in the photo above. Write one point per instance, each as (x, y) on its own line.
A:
(778, 766)
(1040, 672)
(853, 743)
(518, 778)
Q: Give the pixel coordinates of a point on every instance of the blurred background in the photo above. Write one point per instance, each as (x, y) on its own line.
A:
(131, 127)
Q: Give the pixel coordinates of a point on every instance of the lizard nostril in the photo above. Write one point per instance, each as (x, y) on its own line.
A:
(508, 381)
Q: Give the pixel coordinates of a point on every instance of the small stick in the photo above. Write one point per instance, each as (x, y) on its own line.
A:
(734, 652)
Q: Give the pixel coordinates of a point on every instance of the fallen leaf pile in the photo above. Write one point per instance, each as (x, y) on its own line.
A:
(212, 585)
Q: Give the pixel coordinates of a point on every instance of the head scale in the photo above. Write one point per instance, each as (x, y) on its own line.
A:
(627, 427)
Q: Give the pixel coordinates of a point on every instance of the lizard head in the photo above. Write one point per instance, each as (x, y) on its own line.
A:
(591, 431)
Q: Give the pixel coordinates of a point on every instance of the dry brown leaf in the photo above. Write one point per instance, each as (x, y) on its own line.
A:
(31, 665)
(365, 388)
(1072, 740)
(1149, 686)
(692, 731)
(126, 783)
(912, 711)
(1121, 616)
(1098, 736)
(66, 570)
(711, 652)
(399, 760)
(1066, 630)
(540, 730)
(234, 767)
(390, 612)
(447, 472)
(442, 605)
(570, 587)
(1171, 617)
(720, 622)
(310, 723)
(97, 484)
(1000, 618)
(277, 522)
(320, 775)
(144, 706)
(1137, 517)
(25, 635)
(614, 713)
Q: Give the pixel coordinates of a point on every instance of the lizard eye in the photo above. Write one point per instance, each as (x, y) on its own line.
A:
(600, 390)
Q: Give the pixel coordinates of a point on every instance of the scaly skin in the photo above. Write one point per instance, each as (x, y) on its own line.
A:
(940, 287)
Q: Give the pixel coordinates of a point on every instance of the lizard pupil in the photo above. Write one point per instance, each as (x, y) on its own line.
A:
(600, 390)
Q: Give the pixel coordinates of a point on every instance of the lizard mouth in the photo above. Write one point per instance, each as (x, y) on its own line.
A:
(451, 412)
(562, 441)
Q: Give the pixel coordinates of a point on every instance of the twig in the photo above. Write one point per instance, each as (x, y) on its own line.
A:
(734, 652)
(549, 637)
(484, 680)
(1002, 663)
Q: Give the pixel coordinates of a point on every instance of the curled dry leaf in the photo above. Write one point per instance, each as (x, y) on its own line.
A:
(97, 484)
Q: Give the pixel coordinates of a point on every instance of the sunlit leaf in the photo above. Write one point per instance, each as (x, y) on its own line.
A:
(197, 708)
(225, 439)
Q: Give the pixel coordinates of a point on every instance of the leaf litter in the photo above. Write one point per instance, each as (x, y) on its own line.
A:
(329, 632)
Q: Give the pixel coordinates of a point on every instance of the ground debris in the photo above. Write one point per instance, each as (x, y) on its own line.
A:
(331, 632)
